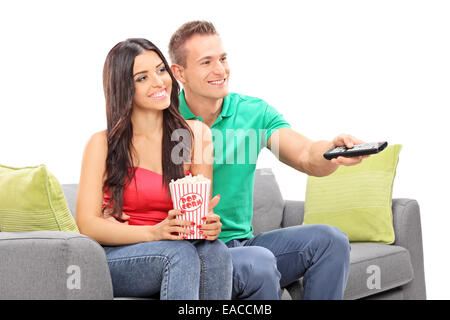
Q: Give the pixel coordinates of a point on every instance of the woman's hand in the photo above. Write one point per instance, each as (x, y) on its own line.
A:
(172, 228)
(123, 219)
(212, 227)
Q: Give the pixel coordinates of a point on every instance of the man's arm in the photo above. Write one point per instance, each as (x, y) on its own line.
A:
(306, 155)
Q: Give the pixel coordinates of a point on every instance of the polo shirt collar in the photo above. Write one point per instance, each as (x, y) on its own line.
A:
(228, 108)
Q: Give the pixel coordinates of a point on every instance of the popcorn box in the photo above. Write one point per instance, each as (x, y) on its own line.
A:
(191, 194)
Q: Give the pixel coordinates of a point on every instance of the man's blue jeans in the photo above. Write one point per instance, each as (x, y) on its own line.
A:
(200, 269)
(272, 260)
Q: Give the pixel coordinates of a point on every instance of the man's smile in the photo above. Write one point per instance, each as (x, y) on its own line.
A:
(219, 82)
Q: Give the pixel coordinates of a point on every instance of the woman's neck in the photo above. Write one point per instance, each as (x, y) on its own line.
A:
(147, 123)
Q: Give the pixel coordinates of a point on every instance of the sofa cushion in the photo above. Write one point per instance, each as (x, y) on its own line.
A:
(268, 204)
(356, 199)
(376, 267)
(31, 199)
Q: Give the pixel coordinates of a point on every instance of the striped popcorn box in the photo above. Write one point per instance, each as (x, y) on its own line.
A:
(191, 194)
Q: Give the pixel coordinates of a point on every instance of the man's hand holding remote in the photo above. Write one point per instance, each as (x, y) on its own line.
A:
(346, 140)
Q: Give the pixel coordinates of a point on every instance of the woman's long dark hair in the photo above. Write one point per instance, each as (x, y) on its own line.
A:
(119, 92)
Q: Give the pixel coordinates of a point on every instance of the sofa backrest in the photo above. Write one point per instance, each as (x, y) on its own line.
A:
(70, 192)
(268, 203)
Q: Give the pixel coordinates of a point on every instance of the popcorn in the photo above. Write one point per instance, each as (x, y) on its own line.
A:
(191, 179)
(191, 194)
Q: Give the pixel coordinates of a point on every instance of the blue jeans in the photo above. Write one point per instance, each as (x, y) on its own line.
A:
(272, 260)
(181, 269)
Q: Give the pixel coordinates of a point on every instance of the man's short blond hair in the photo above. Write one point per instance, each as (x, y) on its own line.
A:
(177, 50)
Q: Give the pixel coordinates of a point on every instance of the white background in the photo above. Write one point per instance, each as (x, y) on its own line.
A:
(379, 70)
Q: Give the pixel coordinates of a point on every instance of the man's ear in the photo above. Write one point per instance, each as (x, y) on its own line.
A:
(178, 72)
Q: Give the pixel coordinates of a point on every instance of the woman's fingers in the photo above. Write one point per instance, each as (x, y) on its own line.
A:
(182, 223)
(212, 227)
(210, 220)
(181, 230)
(174, 213)
(176, 237)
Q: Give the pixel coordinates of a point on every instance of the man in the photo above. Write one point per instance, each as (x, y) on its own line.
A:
(272, 260)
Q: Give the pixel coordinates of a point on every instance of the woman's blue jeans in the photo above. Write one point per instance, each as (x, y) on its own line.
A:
(182, 269)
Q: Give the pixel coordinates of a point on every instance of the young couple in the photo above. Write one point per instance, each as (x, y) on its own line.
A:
(123, 200)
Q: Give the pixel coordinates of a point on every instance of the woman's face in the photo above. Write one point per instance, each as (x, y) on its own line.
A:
(152, 82)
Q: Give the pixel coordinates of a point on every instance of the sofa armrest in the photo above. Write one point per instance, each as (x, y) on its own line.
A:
(293, 213)
(408, 234)
(52, 265)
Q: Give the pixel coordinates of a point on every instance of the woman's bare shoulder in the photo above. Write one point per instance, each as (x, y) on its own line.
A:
(99, 139)
(97, 147)
(100, 136)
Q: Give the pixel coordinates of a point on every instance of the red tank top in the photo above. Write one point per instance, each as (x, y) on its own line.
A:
(145, 199)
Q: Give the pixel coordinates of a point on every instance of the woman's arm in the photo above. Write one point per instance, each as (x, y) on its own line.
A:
(89, 217)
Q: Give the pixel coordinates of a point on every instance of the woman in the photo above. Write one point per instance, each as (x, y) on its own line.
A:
(125, 174)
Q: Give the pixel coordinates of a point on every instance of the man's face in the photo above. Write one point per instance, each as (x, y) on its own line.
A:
(206, 73)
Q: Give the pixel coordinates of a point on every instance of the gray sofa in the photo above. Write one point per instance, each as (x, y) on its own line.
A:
(65, 265)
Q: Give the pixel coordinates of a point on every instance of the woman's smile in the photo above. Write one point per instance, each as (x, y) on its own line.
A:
(159, 95)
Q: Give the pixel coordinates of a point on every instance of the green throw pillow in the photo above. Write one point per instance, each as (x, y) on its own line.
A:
(356, 199)
(31, 199)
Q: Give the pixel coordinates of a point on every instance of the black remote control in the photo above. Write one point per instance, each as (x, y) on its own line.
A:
(357, 150)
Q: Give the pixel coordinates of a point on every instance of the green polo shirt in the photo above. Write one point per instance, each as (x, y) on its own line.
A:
(239, 134)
